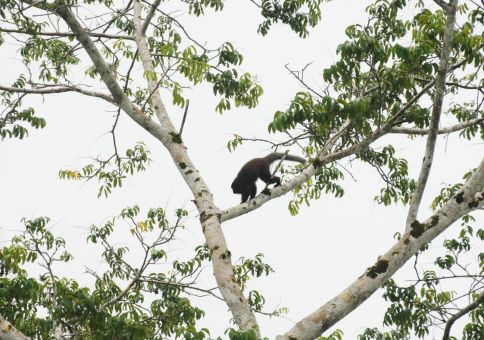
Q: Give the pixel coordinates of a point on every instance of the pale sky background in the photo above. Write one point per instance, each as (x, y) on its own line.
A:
(315, 254)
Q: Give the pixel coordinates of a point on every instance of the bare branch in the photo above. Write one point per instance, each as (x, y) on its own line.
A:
(460, 314)
(456, 84)
(444, 5)
(58, 89)
(434, 121)
(299, 75)
(67, 34)
(450, 129)
(322, 159)
(184, 118)
(332, 141)
(150, 15)
(148, 66)
(181, 285)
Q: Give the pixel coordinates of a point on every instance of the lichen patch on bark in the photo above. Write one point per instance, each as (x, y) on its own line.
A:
(380, 267)
(417, 229)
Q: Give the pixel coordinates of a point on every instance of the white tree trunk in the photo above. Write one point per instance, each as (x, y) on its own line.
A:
(9, 332)
(469, 198)
(165, 132)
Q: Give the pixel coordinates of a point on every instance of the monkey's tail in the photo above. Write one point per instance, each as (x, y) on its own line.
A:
(278, 155)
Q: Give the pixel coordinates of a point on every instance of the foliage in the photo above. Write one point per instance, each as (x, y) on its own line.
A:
(135, 161)
(325, 181)
(244, 269)
(108, 309)
(336, 335)
(97, 313)
(241, 335)
(394, 173)
(13, 117)
(382, 66)
(297, 14)
(415, 309)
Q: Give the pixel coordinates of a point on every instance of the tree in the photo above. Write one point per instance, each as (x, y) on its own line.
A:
(381, 85)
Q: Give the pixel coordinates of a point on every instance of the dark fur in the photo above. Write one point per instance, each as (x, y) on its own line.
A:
(244, 183)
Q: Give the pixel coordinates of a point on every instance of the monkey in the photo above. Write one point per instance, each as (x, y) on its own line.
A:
(244, 183)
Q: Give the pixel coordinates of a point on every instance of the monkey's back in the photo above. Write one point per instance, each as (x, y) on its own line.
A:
(250, 172)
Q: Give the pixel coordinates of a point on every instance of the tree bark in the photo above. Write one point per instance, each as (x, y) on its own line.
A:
(9, 332)
(469, 198)
(167, 134)
(435, 118)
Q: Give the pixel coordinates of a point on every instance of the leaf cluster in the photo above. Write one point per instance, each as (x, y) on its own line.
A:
(415, 308)
(111, 172)
(15, 120)
(299, 15)
(382, 66)
(325, 181)
(105, 311)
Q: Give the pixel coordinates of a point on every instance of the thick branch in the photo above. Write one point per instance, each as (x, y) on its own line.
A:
(9, 332)
(166, 133)
(442, 131)
(434, 121)
(146, 60)
(442, 4)
(469, 198)
(150, 15)
(209, 213)
(322, 159)
(58, 89)
(67, 34)
(461, 313)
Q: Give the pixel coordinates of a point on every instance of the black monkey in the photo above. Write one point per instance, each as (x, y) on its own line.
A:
(256, 168)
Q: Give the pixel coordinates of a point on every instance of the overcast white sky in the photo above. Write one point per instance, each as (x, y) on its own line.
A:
(315, 254)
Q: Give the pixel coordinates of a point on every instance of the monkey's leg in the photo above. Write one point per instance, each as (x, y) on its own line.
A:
(266, 176)
(253, 190)
(245, 191)
(268, 179)
(276, 180)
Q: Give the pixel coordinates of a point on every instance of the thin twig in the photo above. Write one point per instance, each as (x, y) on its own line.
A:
(184, 118)
(455, 84)
(300, 78)
(150, 15)
(460, 314)
(280, 162)
(182, 28)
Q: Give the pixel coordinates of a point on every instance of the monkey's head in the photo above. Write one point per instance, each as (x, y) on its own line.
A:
(236, 187)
